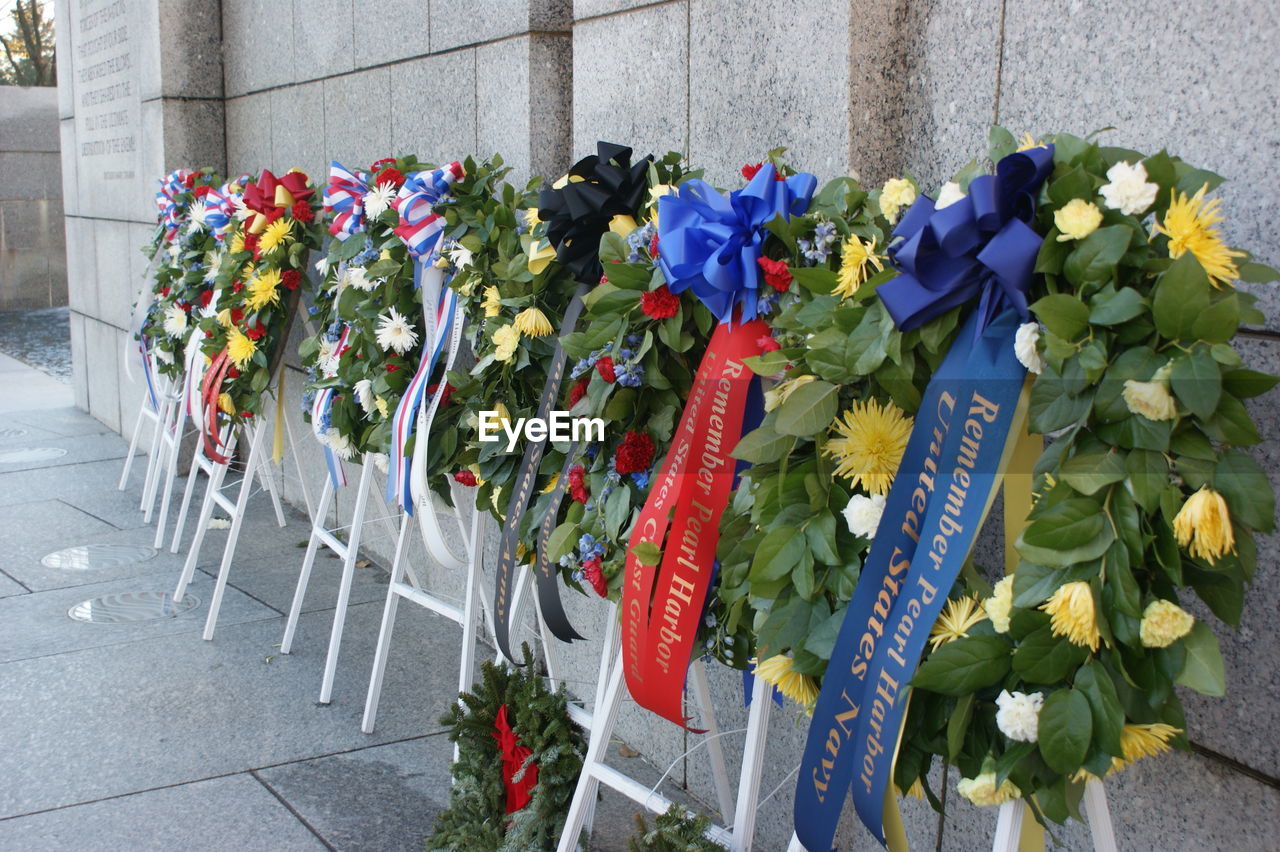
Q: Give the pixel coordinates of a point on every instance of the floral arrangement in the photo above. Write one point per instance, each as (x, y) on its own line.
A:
(369, 313)
(182, 250)
(259, 278)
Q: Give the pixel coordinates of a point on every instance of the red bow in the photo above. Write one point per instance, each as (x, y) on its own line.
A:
(514, 756)
(270, 195)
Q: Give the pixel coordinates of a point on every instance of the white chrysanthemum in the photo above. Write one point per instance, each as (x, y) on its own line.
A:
(355, 277)
(1018, 716)
(175, 321)
(862, 514)
(364, 395)
(196, 213)
(948, 195)
(378, 199)
(340, 444)
(1024, 346)
(460, 256)
(327, 359)
(241, 211)
(381, 462)
(212, 266)
(1128, 190)
(396, 333)
(322, 266)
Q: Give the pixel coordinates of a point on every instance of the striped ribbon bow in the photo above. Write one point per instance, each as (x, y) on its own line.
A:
(344, 200)
(321, 420)
(420, 225)
(171, 186)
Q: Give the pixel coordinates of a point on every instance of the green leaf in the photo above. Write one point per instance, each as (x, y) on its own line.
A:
(779, 551)
(1088, 473)
(1148, 474)
(815, 279)
(958, 725)
(1248, 491)
(1094, 682)
(1197, 381)
(1063, 314)
(616, 510)
(1069, 532)
(1203, 670)
(1042, 657)
(1066, 727)
(964, 666)
(821, 536)
(808, 410)
(1115, 308)
(1219, 322)
(1182, 294)
(1245, 384)
(646, 551)
(763, 445)
(564, 537)
(1095, 257)
(768, 364)
(785, 627)
(1257, 273)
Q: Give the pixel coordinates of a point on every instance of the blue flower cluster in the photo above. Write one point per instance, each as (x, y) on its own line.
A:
(818, 249)
(367, 255)
(639, 241)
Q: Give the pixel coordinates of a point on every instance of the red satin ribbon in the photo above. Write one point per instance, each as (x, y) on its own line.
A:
(513, 757)
(210, 390)
(260, 195)
(662, 606)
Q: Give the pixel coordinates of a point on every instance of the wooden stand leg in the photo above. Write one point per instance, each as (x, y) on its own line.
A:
(169, 449)
(193, 473)
(604, 718)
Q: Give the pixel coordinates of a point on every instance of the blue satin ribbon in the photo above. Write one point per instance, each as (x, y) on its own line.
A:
(711, 243)
(981, 246)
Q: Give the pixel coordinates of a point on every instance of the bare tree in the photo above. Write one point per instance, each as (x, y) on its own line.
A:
(28, 49)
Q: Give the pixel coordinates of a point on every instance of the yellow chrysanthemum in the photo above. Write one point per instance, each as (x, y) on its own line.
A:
(1139, 741)
(1026, 142)
(264, 290)
(240, 348)
(777, 671)
(505, 341)
(855, 257)
(224, 318)
(278, 233)
(492, 303)
(225, 404)
(381, 404)
(1072, 614)
(237, 240)
(551, 486)
(1189, 225)
(532, 322)
(1163, 623)
(1203, 526)
(956, 619)
(872, 438)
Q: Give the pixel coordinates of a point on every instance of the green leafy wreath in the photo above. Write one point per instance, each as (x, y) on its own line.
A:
(476, 818)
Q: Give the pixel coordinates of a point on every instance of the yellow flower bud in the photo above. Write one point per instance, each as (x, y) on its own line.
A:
(532, 322)
(492, 302)
(1073, 616)
(1163, 623)
(1203, 526)
(1077, 219)
(1150, 399)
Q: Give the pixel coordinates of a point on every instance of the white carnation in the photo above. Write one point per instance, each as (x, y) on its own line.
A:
(1018, 716)
(948, 195)
(1128, 190)
(1024, 346)
(862, 514)
(364, 395)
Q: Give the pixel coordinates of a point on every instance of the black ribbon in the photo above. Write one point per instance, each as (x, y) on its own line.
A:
(579, 212)
(548, 585)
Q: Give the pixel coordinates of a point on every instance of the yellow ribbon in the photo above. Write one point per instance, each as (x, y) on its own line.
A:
(277, 446)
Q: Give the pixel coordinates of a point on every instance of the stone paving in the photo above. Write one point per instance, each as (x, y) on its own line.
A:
(142, 736)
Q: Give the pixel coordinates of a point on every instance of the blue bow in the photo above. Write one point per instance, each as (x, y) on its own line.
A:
(982, 245)
(711, 242)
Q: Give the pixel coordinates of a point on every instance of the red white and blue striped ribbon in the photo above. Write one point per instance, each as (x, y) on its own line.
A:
(221, 203)
(406, 416)
(420, 226)
(320, 413)
(344, 200)
(171, 186)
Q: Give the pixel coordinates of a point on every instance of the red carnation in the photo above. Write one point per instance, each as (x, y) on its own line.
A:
(594, 573)
(237, 315)
(776, 274)
(302, 211)
(653, 247)
(201, 191)
(577, 484)
(251, 243)
(183, 305)
(605, 368)
(767, 343)
(578, 391)
(660, 303)
(208, 334)
(290, 279)
(444, 397)
(256, 332)
(233, 373)
(205, 298)
(246, 414)
(635, 453)
(190, 180)
(237, 286)
(465, 477)
(750, 170)
(391, 368)
(392, 176)
(164, 291)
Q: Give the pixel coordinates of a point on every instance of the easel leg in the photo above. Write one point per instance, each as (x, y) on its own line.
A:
(133, 444)
(192, 475)
(471, 610)
(603, 720)
(153, 461)
(233, 535)
(715, 750)
(1099, 817)
(744, 819)
(170, 472)
(304, 576)
(384, 632)
(344, 587)
(207, 505)
(268, 480)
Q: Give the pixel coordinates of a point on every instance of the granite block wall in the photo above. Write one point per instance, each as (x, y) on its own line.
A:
(871, 88)
(33, 269)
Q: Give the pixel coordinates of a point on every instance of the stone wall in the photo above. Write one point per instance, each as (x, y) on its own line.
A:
(864, 87)
(33, 269)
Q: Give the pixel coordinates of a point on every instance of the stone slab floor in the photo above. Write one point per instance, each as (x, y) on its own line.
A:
(143, 736)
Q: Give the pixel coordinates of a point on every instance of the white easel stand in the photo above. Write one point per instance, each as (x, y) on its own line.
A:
(467, 616)
(349, 552)
(1009, 821)
(153, 414)
(171, 411)
(213, 496)
(602, 722)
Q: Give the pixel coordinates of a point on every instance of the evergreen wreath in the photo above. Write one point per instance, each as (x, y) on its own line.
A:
(673, 831)
(476, 819)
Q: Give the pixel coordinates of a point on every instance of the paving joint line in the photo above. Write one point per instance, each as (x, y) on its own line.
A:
(253, 773)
